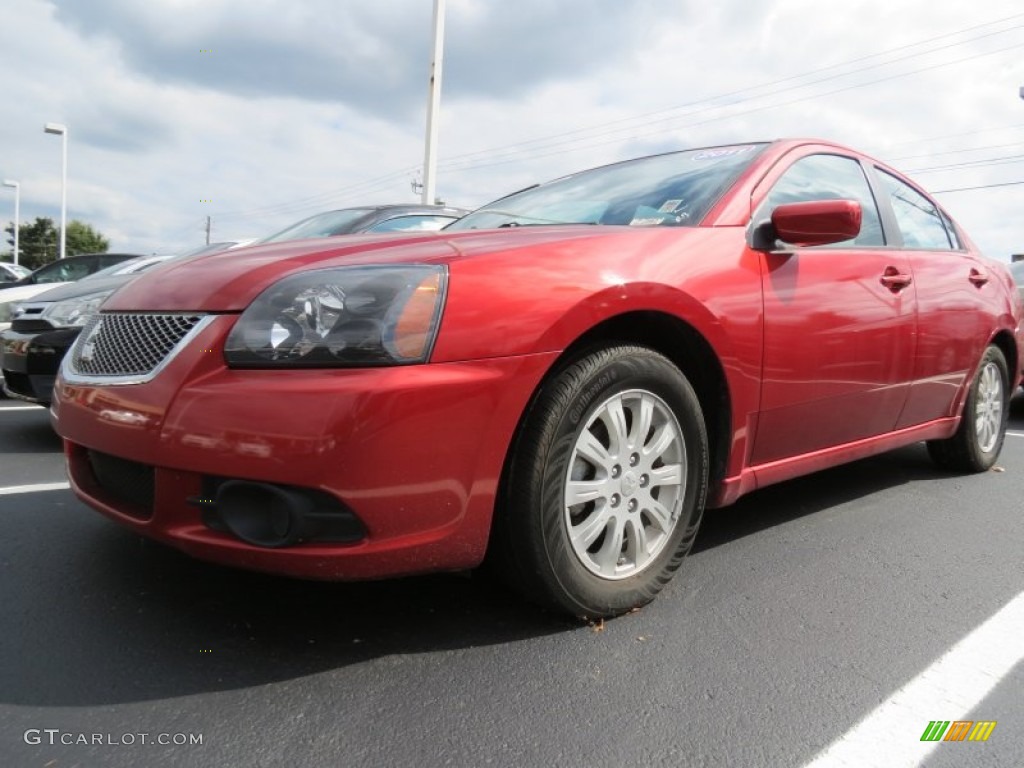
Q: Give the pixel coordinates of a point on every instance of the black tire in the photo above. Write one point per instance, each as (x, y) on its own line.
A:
(532, 548)
(974, 448)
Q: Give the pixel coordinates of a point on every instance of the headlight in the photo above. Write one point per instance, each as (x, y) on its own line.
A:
(344, 316)
(74, 312)
(6, 311)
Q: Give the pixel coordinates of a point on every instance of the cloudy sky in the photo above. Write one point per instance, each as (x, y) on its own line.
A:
(261, 112)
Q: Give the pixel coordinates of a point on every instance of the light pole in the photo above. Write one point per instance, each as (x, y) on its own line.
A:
(433, 106)
(17, 212)
(62, 131)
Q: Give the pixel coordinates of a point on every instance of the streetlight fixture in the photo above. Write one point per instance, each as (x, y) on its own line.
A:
(17, 204)
(62, 130)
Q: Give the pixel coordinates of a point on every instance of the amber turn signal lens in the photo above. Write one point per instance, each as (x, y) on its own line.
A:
(413, 329)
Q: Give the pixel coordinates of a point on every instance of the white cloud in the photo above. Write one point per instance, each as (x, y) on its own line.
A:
(307, 106)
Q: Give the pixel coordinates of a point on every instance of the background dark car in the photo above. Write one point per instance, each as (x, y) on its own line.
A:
(45, 325)
(70, 269)
(374, 218)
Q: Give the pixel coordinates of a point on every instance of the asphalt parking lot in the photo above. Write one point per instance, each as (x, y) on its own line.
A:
(823, 621)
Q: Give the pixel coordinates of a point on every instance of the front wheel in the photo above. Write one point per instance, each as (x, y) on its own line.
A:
(606, 484)
(979, 438)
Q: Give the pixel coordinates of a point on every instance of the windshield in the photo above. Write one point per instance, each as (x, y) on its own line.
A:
(18, 270)
(321, 225)
(676, 189)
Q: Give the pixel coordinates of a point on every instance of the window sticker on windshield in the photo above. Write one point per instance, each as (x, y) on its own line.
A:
(670, 205)
(714, 154)
(646, 216)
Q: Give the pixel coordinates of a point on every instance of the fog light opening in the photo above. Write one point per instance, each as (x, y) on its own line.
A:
(261, 514)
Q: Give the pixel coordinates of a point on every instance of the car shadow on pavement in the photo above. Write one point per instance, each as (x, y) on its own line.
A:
(778, 504)
(792, 499)
(108, 618)
(95, 615)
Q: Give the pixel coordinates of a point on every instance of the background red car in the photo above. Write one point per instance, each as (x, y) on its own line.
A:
(561, 380)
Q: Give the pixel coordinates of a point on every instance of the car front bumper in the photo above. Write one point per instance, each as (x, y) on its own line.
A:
(31, 360)
(414, 452)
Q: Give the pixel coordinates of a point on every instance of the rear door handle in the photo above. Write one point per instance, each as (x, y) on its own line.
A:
(978, 277)
(895, 280)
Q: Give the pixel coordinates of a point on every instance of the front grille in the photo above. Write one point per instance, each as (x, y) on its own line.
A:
(126, 481)
(128, 344)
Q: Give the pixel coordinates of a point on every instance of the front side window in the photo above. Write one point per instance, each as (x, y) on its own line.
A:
(58, 272)
(828, 177)
(919, 220)
(74, 270)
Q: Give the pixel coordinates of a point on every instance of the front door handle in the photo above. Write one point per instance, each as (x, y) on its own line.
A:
(977, 277)
(895, 280)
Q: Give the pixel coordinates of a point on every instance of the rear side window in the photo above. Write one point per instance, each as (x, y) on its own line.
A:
(828, 177)
(920, 221)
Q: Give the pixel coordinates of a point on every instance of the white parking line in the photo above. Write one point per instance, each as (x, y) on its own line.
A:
(21, 408)
(33, 488)
(1014, 434)
(890, 736)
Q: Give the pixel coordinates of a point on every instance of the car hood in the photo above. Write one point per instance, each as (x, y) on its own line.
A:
(84, 287)
(229, 281)
(23, 292)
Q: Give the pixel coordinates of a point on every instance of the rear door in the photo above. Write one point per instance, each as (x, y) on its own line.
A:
(953, 288)
(839, 321)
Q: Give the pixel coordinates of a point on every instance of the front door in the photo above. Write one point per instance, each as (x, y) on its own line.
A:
(839, 324)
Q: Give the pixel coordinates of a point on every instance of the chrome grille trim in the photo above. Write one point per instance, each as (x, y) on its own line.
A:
(129, 347)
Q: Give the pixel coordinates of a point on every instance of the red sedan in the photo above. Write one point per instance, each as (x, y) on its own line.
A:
(560, 381)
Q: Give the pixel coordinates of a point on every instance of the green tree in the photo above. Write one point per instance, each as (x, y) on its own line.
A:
(39, 241)
(82, 238)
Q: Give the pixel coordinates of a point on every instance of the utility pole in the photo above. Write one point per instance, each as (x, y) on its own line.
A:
(16, 186)
(433, 106)
(207, 230)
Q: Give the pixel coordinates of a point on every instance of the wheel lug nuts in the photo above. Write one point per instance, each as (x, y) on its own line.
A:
(616, 470)
(632, 505)
(634, 459)
(644, 480)
(615, 500)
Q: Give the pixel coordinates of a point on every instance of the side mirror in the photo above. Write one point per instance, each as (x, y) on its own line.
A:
(816, 222)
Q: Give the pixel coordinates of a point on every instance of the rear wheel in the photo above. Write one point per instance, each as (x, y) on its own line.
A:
(606, 484)
(979, 438)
